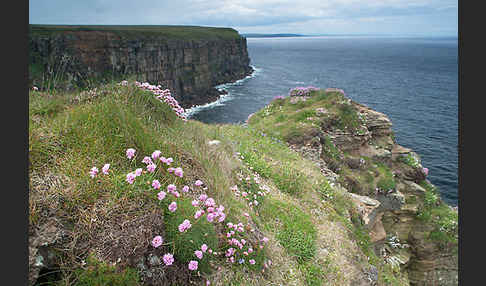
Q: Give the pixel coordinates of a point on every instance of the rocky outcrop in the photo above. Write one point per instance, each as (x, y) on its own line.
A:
(189, 66)
(392, 216)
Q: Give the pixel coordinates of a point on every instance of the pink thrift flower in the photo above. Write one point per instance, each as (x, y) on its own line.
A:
(151, 168)
(130, 153)
(163, 160)
(210, 202)
(198, 183)
(156, 154)
(222, 216)
(176, 194)
(426, 171)
(186, 224)
(265, 239)
(156, 184)
(93, 172)
(161, 195)
(246, 214)
(169, 160)
(203, 197)
(195, 203)
(210, 209)
(168, 259)
(171, 188)
(170, 169)
(252, 261)
(178, 172)
(173, 207)
(204, 247)
(198, 214)
(105, 169)
(130, 178)
(250, 250)
(138, 172)
(192, 265)
(185, 189)
(147, 160)
(210, 217)
(157, 241)
(198, 254)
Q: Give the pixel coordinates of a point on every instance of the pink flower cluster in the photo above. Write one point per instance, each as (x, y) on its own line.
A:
(241, 249)
(303, 91)
(207, 205)
(163, 95)
(251, 189)
(94, 171)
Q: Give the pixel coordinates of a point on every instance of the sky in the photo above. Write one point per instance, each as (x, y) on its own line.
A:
(310, 17)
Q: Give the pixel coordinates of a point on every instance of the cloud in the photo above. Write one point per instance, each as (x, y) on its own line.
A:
(248, 15)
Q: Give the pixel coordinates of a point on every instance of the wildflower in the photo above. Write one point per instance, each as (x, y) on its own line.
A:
(203, 197)
(93, 172)
(198, 254)
(178, 172)
(185, 189)
(105, 169)
(130, 178)
(147, 160)
(169, 160)
(241, 261)
(204, 247)
(222, 217)
(130, 153)
(192, 265)
(195, 203)
(265, 239)
(198, 214)
(168, 259)
(173, 207)
(210, 217)
(170, 169)
(426, 171)
(252, 261)
(210, 202)
(161, 195)
(246, 214)
(151, 168)
(171, 188)
(176, 194)
(156, 154)
(156, 184)
(186, 224)
(157, 241)
(138, 172)
(35, 88)
(198, 183)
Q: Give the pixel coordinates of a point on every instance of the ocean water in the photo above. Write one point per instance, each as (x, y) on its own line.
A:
(414, 81)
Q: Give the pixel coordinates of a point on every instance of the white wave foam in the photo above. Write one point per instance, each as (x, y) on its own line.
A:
(224, 97)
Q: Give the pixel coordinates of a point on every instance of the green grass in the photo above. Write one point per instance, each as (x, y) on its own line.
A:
(168, 31)
(97, 273)
(296, 232)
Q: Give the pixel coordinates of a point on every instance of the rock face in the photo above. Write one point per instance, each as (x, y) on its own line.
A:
(392, 216)
(190, 67)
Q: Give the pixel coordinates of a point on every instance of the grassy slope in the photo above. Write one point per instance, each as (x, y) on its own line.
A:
(309, 223)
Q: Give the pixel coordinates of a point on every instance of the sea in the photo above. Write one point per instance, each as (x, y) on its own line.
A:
(414, 81)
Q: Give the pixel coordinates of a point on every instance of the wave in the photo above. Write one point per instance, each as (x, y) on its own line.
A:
(224, 97)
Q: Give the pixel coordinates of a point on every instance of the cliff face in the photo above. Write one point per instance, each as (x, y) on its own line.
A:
(409, 226)
(189, 66)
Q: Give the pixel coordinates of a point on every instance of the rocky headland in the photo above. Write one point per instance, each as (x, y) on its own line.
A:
(189, 61)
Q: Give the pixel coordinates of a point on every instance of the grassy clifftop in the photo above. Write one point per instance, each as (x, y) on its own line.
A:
(169, 31)
(239, 202)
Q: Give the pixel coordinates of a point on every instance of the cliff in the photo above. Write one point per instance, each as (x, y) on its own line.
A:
(313, 190)
(410, 227)
(189, 61)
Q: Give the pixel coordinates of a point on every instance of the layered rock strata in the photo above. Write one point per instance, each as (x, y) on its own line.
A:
(190, 67)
